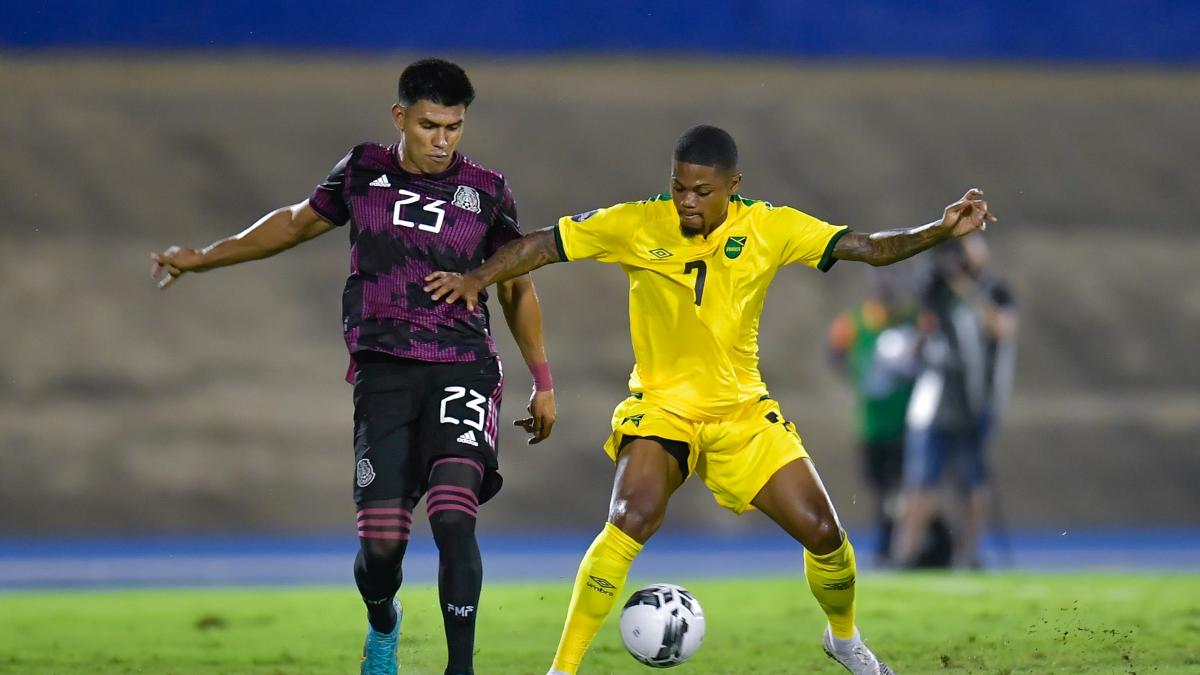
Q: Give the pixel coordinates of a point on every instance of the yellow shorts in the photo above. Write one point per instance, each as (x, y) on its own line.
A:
(735, 457)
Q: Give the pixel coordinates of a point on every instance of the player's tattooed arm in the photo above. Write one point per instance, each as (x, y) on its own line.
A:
(277, 231)
(884, 248)
(512, 260)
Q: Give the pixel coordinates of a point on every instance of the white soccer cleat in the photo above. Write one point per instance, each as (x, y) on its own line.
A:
(854, 655)
(555, 672)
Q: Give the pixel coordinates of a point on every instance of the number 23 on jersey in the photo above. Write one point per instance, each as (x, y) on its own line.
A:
(433, 206)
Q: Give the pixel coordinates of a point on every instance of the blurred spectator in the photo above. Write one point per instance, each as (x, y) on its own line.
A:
(874, 345)
(969, 322)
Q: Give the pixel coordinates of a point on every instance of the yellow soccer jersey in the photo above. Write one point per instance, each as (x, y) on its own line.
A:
(694, 304)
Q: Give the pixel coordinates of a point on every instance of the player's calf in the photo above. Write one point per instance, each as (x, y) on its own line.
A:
(453, 506)
(383, 531)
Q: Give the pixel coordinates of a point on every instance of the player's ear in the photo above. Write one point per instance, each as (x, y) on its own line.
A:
(398, 115)
(735, 182)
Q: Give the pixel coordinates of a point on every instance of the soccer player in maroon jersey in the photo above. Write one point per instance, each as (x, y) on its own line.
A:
(427, 379)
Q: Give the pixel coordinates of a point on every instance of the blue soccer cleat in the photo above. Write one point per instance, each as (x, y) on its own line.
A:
(379, 650)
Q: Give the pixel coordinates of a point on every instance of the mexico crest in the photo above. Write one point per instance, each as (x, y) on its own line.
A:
(466, 198)
(734, 246)
(365, 473)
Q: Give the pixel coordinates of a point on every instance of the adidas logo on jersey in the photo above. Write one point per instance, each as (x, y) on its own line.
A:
(468, 438)
(382, 181)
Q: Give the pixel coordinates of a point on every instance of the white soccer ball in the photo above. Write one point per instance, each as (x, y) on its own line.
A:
(662, 625)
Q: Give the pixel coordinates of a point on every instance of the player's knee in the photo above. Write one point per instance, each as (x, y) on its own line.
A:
(639, 519)
(825, 535)
(382, 552)
(452, 519)
(452, 524)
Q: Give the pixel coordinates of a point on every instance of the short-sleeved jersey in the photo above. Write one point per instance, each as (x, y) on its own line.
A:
(402, 227)
(695, 303)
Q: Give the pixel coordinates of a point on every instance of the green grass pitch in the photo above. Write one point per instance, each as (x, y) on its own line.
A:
(1018, 623)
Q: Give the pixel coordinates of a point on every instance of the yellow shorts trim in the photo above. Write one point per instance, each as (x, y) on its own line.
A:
(735, 457)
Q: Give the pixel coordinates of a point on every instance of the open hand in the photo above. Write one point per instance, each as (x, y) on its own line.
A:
(173, 262)
(968, 214)
(543, 412)
(453, 287)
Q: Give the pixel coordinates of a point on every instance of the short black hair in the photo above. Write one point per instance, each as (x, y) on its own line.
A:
(435, 80)
(707, 146)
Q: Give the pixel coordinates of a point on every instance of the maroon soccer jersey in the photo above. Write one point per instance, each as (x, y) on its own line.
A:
(402, 227)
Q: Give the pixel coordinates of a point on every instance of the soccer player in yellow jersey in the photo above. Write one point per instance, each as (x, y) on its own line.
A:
(699, 262)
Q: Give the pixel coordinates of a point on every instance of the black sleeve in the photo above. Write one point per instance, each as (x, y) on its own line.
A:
(505, 227)
(328, 199)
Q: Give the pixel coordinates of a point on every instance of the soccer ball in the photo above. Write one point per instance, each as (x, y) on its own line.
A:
(662, 625)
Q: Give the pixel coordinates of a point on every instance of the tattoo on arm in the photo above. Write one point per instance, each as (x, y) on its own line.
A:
(519, 257)
(889, 246)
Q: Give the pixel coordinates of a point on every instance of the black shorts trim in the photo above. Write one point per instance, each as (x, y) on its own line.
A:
(677, 449)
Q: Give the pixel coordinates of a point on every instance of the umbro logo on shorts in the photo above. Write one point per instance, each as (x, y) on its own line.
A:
(468, 438)
(382, 181)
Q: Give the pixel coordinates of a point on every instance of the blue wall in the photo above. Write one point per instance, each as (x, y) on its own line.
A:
(1164, 31)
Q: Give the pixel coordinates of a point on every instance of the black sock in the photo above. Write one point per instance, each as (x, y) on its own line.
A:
(383, 537)
(460, 576)
(452, 504)
(381, 613)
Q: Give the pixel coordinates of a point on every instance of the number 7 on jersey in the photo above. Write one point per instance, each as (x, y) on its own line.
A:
(701, 271)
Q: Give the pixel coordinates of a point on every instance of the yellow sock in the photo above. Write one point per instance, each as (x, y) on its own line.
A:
(831, 578)
(597, 588)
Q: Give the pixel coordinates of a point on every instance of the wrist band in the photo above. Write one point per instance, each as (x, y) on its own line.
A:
(542, 381)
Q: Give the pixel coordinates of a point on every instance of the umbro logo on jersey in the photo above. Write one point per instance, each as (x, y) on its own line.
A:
(468, 438)
(382, 181)
(660, 253)
(466, 198)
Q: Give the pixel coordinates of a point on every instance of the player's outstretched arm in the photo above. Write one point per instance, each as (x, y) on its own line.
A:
(884, 248)
(277, 231)
(523, 313)
(515, 258)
